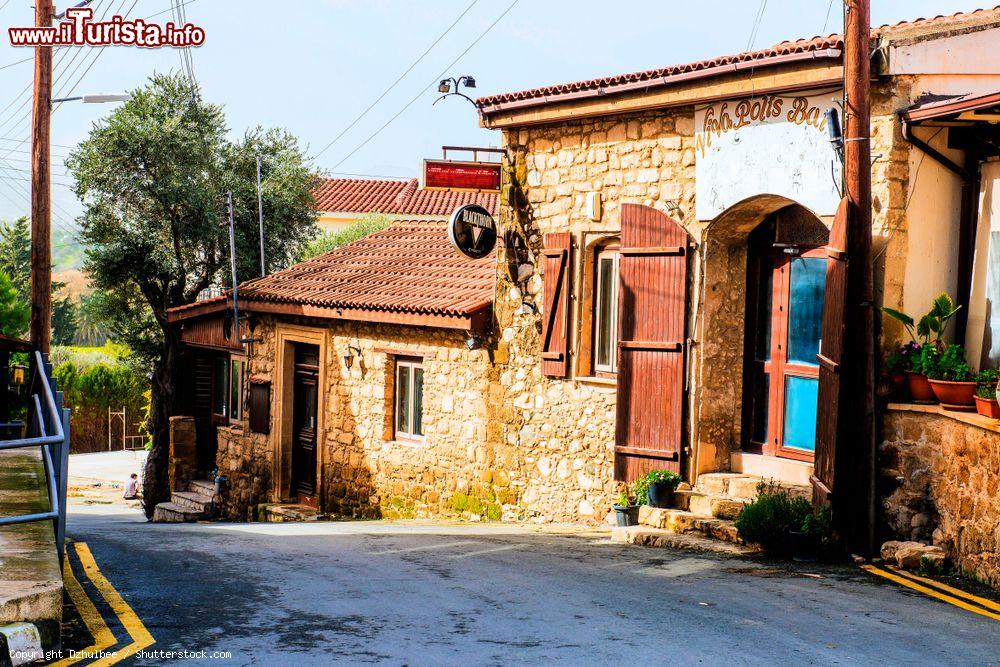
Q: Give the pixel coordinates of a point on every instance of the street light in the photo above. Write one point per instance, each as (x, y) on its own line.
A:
(94, 99)
(451, 87)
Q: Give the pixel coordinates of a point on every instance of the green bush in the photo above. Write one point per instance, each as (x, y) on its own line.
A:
(767, 519)
(950, 366)
(358, 229)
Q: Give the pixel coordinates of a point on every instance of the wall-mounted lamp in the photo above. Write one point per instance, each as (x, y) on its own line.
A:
(473, 342)
(672, 207)
(349, 355)
(18, 374)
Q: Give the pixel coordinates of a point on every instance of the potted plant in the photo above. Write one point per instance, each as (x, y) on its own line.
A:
(935, 323)
(952, 381)
(986, 394)
(897, 365)
(657, 488)
(806, 541)
(626, 510)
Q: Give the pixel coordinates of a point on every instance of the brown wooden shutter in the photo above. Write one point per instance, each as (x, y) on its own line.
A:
(830, 356)
(555, 316)
(652, 309)
(260, 407)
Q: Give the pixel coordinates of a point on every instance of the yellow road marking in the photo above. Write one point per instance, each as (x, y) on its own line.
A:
(99, 630)
(903, 581)
(989, 604)
(140, 636)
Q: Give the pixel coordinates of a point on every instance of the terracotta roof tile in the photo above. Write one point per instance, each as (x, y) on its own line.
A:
(402, 197)
(409, 267)
(785, 48)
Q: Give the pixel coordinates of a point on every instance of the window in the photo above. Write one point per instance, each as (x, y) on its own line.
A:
(409, 399)
(236, 366)
(606, 311)
(220, 386)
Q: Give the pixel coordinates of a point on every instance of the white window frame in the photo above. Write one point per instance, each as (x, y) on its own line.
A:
(599, 297)
(407, 433)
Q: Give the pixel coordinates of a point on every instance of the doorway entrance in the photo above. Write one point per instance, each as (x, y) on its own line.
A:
(305, 402)
(785, 288)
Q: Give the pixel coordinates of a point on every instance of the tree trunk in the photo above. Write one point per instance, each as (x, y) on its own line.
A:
(155, 483)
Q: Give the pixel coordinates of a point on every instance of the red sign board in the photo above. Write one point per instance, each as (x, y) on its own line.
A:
(462, 175)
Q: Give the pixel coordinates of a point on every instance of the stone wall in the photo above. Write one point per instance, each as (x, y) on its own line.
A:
(940, 482)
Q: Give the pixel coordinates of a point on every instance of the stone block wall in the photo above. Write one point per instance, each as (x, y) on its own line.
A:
(940, 482)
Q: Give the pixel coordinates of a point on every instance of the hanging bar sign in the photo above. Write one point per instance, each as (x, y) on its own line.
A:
(473, 231)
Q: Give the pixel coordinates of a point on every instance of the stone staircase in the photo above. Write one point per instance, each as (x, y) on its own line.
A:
(197, 503)
(703, 517)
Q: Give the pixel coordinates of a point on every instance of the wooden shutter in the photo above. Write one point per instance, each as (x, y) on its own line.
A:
(555, 317)
(652, 309)
(260, 407)
(830, 356)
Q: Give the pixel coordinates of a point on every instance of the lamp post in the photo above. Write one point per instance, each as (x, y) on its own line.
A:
(451, 87)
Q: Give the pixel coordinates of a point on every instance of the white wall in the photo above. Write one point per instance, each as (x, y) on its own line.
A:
(982, 340)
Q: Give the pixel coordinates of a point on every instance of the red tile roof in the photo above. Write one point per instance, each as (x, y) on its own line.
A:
(545, 94)
(408, 268)
(402, 197)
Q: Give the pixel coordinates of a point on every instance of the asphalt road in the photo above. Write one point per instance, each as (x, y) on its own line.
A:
(399, 593)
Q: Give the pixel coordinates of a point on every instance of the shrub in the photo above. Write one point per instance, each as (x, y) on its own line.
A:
(358, 229)
(767, 519)
(950, 366)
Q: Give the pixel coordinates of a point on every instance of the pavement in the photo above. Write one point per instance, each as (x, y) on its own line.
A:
(30, 576)
(424, 593)
(115, 466)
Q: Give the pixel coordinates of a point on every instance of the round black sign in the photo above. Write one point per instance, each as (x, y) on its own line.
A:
(473, 231)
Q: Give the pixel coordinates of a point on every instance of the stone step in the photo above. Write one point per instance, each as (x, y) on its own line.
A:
(685, 522)
(290, 512)
(194, 501)
(203, 486)
(174, 513)
(702, 504)
(659, 537)
(739, 486)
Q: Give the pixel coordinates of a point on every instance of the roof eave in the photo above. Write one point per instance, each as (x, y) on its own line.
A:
(661, 82)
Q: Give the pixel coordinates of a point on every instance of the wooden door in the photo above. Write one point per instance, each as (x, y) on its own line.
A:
(651, 344)
(829, 358)
(304, 405)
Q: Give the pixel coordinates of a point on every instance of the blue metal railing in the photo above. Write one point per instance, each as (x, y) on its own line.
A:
(48, 424)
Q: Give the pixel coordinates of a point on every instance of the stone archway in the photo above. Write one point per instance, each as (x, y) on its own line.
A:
(722, 303)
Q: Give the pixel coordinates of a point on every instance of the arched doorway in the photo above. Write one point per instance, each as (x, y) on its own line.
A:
(786, 276)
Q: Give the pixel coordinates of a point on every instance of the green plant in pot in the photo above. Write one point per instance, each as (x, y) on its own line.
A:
(807, 541)
(897, 364)
(986, 393)
(626, 509)
(930, 330)
(782, 524)
(656, 488)
(953, 383)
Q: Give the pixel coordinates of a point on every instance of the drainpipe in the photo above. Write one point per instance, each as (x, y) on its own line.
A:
(968, 218)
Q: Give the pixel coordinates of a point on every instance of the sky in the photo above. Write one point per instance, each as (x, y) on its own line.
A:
(314, 66)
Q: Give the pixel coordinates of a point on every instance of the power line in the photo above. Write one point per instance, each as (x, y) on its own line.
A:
(436, 80)
(398, 79)
(827, 19)
(756, 24)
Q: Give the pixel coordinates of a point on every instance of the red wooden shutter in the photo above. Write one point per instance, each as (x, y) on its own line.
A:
(830, 356)
(652, 309)
(555, 317)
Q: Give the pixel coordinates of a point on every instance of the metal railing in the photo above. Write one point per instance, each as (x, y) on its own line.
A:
(48, 423)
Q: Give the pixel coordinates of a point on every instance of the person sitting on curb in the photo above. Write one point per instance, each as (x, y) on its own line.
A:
(131, 488)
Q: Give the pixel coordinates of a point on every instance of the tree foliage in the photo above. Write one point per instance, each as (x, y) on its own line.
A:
(14, 313)
(358, 229)
(152, 177)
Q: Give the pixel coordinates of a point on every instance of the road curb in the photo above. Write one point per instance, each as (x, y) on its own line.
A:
(20, 644)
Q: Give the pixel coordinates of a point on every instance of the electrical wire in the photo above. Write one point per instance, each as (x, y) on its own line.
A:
(432, 83)
(398, 79)
(826, 21)
(756, 24)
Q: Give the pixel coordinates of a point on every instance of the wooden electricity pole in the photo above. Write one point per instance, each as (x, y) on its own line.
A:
(41, 202)
(855, 494)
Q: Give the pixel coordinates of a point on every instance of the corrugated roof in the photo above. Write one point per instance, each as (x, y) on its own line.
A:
(402, 197)
(786, 48)
(410, 267)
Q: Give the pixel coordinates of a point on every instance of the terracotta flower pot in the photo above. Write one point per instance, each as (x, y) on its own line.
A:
(955, 395)
(988, 407)
(920, 388)
(900, 387)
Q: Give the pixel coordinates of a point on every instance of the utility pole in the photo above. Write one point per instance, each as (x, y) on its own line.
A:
(232, 265)
(260, 220)
(856, 458)
(40, 328)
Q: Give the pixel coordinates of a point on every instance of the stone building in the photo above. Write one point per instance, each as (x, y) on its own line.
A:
(656, 301)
